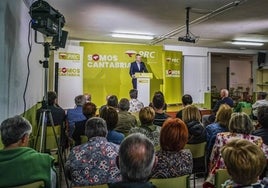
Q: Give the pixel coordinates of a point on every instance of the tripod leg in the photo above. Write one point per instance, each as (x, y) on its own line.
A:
(42, 127)
(38, 131)
(61, 163)
(43, 132)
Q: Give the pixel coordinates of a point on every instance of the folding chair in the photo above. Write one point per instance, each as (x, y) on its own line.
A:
(93, 186)
(220, 177)
(199, 153)
(37, 184)
(176, 182)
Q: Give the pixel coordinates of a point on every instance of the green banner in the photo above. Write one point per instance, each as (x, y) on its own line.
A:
(172, 76)
(106, 68)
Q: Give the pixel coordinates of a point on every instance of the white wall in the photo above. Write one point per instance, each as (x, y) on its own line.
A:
(14, 21)
(194, 77)
(219, 72)
(240, 74)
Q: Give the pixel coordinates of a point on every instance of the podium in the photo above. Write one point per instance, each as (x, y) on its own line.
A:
(143, 87)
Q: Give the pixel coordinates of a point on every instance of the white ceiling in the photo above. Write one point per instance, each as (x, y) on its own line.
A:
(96, 20)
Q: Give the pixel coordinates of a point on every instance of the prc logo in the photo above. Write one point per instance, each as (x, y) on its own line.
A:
(168, 59)
(64, 70)
(62, 55)
(69, 56)
(130, 53)
(95, 57)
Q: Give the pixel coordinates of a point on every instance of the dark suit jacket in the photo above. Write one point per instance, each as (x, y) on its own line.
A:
(134, 68)
(225, 100)
(79, 131)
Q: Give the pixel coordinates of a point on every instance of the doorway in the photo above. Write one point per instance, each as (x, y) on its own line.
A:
(233, 72)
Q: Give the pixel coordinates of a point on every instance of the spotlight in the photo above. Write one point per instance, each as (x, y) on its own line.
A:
(46, 19)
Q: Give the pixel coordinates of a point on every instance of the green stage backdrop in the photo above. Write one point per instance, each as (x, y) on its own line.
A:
(172, 76)
(106, 69)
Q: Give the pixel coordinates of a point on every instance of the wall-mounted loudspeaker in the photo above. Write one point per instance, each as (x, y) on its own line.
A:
(261, 59)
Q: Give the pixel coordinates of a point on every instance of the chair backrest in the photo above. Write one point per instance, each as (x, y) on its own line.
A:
(1, 144)
(37, 184)
(248, 111)
(220, 177)
(84, 139)
(94, 186)
(197, 150)
(177, 182)
(51, 143)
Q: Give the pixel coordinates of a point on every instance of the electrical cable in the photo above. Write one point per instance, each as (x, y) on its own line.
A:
(28, 66)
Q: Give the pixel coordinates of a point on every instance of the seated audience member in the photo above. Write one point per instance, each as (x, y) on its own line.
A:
(186, 100)
(192, 118)
(173, 160)
(94, 162)
(151, 131)
(261, 101)
(136, 160)
(244, 161)
(197, 133)
(88, 97)
(105, 105)
(112, 101)
(159, 93)
(220, 125)
(225, 99)
(74, 115)
(19, 163)
(58, 114)
(240, 127)
(125, 119)
(110, 115)
(158, 106)
(89, 111)
(134, 104)
(246, 103)
(262, 129)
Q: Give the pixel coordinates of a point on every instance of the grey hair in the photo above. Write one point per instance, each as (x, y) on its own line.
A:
(240, 122)
(136, 157)
(13, 129)
(80, 100)
(96, 126)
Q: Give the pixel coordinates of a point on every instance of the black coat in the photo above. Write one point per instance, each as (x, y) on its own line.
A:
(197, 132)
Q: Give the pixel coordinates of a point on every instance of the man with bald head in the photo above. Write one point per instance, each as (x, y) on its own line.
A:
(136, 160)
(225, 99)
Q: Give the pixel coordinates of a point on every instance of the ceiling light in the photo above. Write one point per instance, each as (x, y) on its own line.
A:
(132, 36)
(248, 43)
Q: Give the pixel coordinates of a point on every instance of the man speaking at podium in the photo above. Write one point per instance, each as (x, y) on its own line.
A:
(136, 66)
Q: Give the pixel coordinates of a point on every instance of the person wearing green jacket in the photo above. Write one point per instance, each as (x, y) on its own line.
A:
(21, 164)
(246, 103)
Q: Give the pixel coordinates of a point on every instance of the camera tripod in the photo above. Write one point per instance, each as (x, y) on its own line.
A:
(45, 119)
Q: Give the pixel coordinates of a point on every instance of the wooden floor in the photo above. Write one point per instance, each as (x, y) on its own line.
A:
(173, 109)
